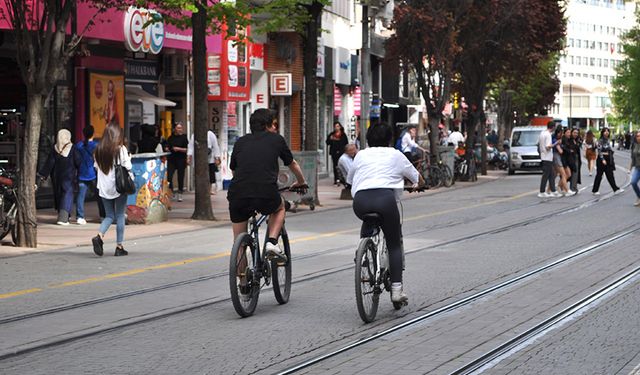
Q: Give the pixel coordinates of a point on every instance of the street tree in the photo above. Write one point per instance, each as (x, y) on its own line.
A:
(519, 98)
(45, 41)
(425, 40)
(625, 94)
(206, 17)
(504, 38)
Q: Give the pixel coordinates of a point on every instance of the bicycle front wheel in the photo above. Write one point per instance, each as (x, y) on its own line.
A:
(245, 289)
(367, 292)
(281, 271)
(447, 175)
(435, 177)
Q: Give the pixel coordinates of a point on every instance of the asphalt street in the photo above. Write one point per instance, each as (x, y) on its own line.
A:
(165, 309)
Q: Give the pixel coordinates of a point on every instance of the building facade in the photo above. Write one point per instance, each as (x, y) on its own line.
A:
(587, 67)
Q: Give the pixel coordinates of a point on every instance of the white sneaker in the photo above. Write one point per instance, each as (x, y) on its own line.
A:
(555, 194)
(81, 221)
(569, 193)
(637, 202)
(543, 195)
(596, 193)
(62, 223)
(274, 251)
(619, 191)
(179, 197)
(398, 295)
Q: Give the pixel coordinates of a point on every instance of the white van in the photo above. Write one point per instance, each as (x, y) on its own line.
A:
(523, 149)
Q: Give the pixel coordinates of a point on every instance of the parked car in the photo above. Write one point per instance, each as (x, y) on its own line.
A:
(523, 149)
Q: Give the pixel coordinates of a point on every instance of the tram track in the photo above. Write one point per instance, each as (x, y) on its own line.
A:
(87, 303)
(62, 339)
(482, 360)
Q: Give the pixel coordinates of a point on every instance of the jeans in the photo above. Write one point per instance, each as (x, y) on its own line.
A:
(114, 210)
(635, 178)
(547, 176)
(83, 188)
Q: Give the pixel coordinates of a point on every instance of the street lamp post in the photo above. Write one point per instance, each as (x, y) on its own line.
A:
(365, 80)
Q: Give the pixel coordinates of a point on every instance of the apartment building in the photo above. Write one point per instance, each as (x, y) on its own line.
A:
(587, 68)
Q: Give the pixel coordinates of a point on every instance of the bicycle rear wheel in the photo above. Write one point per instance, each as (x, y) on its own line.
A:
(367, 293)
(435, 177)
(281, 271)
(245, 290)
(447, 175)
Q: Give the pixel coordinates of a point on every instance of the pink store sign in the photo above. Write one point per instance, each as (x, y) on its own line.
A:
(110, 26)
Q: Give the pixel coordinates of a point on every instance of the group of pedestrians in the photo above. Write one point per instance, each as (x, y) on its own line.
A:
(560, 152)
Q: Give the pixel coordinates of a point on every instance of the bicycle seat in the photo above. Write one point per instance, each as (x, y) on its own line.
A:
(372, 218)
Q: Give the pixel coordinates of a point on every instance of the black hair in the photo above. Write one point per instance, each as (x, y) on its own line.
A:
(261, 119)
(379, 135)
(87, 132)
(551, 125)
(603, 130)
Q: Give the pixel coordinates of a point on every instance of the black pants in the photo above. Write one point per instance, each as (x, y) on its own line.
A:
(575, 176)
(547, 176)
(608, 171)
(177, 165)
(336, 172)
(383, 202)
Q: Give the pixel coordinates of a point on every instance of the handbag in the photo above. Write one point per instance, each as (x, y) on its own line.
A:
(124, 182)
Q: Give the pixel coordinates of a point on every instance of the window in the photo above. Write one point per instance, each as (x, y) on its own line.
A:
(600, 46)
(605, 63)
(564, 74)
(570, 42)
(571, 60)
(570, 74)
(599, 62)
(586, 44)
(578, 60)
(606, 79)
(585, 60)
(579, 43)
(593, 76)
(592, 61)
(599, 78)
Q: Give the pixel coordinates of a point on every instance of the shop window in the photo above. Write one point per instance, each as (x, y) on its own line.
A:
(242, 77)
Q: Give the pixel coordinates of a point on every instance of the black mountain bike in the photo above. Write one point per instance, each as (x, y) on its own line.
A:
(250, 269)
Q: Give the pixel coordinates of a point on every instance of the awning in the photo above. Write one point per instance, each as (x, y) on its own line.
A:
(136, 93)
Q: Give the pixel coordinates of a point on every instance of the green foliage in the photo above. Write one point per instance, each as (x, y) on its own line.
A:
(625, 93)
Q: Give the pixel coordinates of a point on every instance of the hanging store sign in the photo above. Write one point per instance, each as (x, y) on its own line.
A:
(281, 84)
(140, 34)
(228, 72)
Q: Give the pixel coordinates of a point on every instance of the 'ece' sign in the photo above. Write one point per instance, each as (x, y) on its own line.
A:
(137, 36)
(281, 84)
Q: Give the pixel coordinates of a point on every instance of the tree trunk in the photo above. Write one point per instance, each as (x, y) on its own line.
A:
(202, 209)
(505, 116)
(434, 136)
(26, 216)
(483, 147)
(310, 64)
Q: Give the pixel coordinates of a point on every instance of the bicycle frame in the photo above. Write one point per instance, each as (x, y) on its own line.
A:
(258, 260)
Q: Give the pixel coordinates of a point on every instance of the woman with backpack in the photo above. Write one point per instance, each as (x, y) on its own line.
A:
(109, 153)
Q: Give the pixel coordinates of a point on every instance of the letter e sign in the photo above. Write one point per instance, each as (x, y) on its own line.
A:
(281, 84)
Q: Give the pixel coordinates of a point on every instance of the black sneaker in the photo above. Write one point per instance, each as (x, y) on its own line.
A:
(120, 252)
(97, 245)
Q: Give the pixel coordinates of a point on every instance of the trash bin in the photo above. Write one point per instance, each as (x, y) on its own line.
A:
(308, 161)
(447, 155)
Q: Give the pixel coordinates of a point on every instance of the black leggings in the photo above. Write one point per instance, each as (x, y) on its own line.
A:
(383, 202)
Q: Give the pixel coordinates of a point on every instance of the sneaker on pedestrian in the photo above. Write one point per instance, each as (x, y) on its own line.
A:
(398, 295)
(543, 195)
(179, 197)
(637, 204)
(555, 194)
(62, 222)
(274, 251)
(97, 245)
(595, 192)
(619, 191)
(81, 221)
(120, 252)
(569, 193)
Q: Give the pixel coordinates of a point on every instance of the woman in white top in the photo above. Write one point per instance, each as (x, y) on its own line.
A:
(110, 151)
(377, 180)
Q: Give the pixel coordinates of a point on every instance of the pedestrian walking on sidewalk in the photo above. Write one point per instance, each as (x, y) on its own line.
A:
(110, 152)
(87, 174)
(214, 157)
(590, 151)
(545, 147)
(605, 163)
(62, 165)
(178, 145)
(336, 140)
(635, 167)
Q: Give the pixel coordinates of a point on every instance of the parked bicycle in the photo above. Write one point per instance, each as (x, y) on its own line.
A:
(372, 273)
(8, 205)
(432, 174)
(250, 269)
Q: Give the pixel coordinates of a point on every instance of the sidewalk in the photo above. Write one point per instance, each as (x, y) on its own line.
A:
(52, 236)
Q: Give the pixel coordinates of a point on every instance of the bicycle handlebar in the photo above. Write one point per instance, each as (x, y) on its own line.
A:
(301, 189)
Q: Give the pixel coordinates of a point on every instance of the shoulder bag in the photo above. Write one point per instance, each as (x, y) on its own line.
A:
(124, 182)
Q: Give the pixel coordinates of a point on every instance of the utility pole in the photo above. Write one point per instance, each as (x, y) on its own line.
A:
(365, 79)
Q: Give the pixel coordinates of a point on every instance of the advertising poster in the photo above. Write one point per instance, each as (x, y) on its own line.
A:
(106, 100)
